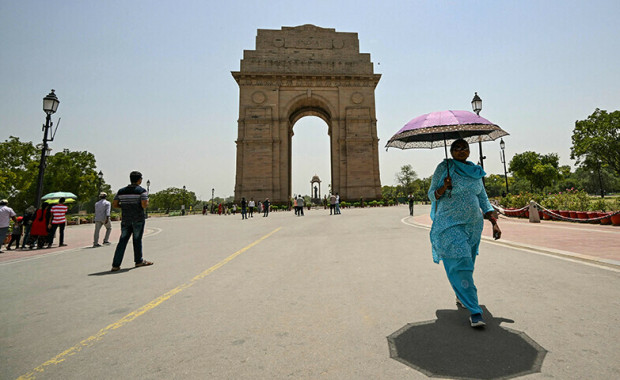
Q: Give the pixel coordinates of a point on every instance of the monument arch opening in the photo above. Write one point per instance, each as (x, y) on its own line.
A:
(310, 155)
(306, 71)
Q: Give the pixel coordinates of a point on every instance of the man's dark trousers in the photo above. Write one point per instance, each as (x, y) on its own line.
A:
(61, 234)
(127, 229)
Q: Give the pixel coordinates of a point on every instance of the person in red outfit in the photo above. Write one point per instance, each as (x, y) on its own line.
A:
(38, 231)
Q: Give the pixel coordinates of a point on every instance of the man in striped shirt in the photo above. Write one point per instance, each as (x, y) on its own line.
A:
(58, 221)
(132, 200)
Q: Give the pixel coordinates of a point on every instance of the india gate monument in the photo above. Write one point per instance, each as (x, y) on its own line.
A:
(306, 71)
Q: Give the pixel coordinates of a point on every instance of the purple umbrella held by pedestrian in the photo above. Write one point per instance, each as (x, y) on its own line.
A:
(441, 128)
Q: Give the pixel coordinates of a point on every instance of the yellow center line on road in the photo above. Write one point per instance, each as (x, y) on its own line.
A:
(135, 314)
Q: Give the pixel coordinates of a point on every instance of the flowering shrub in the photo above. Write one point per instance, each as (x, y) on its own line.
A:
(570, 199)
(550, 202)
(616, 206)
(599, 205)
(573, 200)
(520, 200)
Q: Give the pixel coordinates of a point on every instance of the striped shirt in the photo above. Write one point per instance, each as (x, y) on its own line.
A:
(58, 213)
(131, 198)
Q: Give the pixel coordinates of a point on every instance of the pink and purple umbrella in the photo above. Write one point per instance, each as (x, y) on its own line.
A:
(441, 128)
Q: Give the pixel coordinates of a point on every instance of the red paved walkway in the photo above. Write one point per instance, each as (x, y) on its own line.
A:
(591, 242)
(76, 237)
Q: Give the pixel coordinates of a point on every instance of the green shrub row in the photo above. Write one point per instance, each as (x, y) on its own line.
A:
(570, 200)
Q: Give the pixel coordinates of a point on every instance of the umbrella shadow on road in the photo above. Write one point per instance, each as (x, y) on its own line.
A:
(449, 347)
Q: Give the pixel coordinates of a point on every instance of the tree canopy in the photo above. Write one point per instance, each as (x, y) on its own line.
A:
(539, 170)
(406, 178)
(74, 172)
(18, 167)
(596, 141)
(407, 182)
(495, 184)
(171, 199)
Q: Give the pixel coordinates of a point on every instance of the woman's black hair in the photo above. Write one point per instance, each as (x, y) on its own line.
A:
(457, 142)
(43, 207)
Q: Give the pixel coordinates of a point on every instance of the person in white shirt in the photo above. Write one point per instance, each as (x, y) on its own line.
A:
(102, 218)
(337, 204)
(332, 204)
(251, 206)
(6, 214)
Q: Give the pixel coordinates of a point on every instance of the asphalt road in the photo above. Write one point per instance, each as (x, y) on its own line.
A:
(296, 297)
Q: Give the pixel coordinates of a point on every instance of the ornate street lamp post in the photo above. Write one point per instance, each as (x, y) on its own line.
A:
(503, 146)
(183, 205)
(212, 197)
(148, 191)
(50, 105)
(100, 175)
(600, 179)
(476, 105)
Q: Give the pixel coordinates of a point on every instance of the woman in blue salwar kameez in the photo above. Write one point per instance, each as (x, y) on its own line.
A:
(457, 215)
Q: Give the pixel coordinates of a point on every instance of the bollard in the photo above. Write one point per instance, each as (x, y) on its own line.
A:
(534, 216)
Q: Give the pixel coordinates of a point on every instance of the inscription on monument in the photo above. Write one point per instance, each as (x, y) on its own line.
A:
(308, 43)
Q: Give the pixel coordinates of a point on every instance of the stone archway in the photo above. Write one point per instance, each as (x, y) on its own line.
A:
(306, 71)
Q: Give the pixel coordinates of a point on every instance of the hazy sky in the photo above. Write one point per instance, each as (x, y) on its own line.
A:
(146, 85)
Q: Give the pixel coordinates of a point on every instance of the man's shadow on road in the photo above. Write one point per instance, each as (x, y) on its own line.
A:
(449, 347)
(122, 270)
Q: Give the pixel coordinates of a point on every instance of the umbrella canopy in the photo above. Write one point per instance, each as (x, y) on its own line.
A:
(55, 200)
(437, 129)
(58, 195)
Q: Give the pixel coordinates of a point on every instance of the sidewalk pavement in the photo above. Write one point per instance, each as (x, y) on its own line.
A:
(76, 237)
(586, 242)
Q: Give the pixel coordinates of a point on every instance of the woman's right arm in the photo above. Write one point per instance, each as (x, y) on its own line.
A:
(438, 183)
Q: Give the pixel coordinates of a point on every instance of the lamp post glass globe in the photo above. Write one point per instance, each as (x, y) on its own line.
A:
(50, 103)
(476, 103)
(100, 176)
(502, 144)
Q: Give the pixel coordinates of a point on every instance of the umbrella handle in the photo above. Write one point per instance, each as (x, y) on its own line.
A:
(445, 148)
(448, 168)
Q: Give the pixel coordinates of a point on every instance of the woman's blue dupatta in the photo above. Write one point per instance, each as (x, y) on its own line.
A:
(466, 169)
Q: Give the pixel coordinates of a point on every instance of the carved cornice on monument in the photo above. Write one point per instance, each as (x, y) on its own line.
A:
(298, 80)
